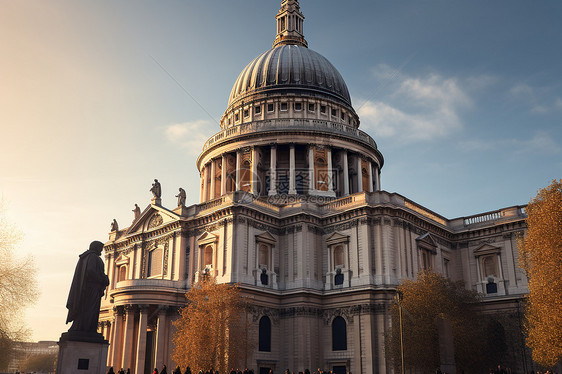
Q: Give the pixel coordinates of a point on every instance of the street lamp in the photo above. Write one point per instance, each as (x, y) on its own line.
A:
(398, 298)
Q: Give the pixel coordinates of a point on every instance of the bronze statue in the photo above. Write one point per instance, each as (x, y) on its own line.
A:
(114, 225)
(181, 197)
(88, 286)
(156, 189)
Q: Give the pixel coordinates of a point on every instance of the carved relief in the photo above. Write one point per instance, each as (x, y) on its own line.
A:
(257, 312)
(155, 221)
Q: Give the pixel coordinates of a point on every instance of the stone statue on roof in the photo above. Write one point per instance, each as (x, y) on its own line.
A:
(137, 212)
(181, 197)
(156, 189)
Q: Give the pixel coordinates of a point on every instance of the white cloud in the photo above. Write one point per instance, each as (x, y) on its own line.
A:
(522, 90)
(189, 135)
(541, 143)
(415, 109)
(539, 99)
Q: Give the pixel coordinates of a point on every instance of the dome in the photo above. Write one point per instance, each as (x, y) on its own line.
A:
(290, 68)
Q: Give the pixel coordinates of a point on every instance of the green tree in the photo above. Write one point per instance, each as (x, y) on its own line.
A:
(212, 331)
(17, 288)
(424, 301)
(43, 363)
(541, 257)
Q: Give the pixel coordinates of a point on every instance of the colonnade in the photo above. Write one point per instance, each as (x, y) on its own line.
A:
(320, 171)
(137, 332)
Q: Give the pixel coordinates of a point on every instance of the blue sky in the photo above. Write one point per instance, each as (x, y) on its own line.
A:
(463, 98)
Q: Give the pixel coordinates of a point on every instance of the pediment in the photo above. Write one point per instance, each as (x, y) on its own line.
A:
(336, 237)
(266, 237)
(486, 249)
(150, 218)
(122, 260)
(427, 239)
(207, 238)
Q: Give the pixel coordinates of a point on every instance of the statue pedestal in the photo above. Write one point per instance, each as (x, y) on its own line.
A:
(81, 352)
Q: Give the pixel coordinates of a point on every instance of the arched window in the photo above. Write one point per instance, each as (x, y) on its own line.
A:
(265, 334)
(122, 273)
(339, 334)
(208, 256)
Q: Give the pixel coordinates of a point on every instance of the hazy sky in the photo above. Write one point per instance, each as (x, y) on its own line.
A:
(464, 99)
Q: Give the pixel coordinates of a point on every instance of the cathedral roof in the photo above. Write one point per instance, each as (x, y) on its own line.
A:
(290, 66)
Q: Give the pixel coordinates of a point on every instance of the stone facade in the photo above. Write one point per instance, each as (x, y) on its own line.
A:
(292, 210)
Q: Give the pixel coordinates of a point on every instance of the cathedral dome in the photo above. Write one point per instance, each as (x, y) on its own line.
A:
(290, 68)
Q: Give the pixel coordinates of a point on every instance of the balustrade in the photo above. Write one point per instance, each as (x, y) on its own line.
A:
(290, 124)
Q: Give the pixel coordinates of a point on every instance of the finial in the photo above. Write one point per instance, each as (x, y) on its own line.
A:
(290, 25)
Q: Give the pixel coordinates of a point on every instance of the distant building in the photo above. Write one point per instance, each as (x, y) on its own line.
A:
(24, 350)
(292, 209)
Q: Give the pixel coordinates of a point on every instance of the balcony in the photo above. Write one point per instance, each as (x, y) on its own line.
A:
(144, 285)
(284, 125)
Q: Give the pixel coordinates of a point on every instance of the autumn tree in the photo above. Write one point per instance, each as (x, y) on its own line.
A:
(424, 301)
(212, 331)
(40, 363)
(17, 288)
(541, 257)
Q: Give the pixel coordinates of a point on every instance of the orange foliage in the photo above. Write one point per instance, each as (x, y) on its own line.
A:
(541, 257)
(212, 330)
(424, 301)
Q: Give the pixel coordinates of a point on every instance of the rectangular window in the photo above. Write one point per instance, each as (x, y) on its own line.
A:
(236, 117)
(311, 107)
(257, 110)
(270, 107)
(342, 115)
(154, 262)
(283, 106)
(322, 109)
(334, 112)
(298, 106)
(246, 113)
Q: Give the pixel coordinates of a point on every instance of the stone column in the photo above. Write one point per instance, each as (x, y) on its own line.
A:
(238, 162)
(223, 174)
(205, 187)
(254, 176)
(345, 173)
(370, 171)
(110, 340)
(378, 179)
(202, 177)
(128, 340)
(273, 170)
(311, 174)
(117, 335)
(160, 338)
(292, 190)
(330, 169)
(141, 340)
(359, 175)
(213, 181)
